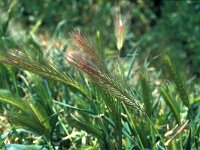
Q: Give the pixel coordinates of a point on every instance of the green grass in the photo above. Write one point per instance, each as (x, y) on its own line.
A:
(77, 92)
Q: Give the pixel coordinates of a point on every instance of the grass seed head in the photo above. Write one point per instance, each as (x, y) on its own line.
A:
(121, 22)
(81, 54)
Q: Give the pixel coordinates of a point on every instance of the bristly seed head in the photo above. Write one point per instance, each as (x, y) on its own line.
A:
(121, 27)
(81, 54)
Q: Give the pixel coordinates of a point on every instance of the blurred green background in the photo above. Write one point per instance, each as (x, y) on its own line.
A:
(156, 27)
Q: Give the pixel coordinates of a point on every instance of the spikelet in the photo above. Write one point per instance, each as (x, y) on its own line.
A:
(121, 23)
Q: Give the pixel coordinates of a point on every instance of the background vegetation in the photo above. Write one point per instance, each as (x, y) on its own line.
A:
(145, 96)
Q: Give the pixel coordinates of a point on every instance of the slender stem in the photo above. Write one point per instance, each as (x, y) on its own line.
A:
(134, 128)
(155, 128)
(131, 65)
(72, 107)
(49, 143)
(119, 126)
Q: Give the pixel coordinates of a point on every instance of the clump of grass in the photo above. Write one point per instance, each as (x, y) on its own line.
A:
(90, 95)
(178, 80)
(26, 114)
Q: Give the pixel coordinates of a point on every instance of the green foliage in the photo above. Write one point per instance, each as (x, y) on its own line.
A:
(174, 32)
(146, 94)
(75, 92)
(178, 80)
(172, 104)
(10, 13)
(26, 114)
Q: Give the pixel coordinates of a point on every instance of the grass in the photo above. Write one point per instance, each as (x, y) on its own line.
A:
(69, 93)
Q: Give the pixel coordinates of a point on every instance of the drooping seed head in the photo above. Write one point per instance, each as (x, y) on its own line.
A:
(81, 55)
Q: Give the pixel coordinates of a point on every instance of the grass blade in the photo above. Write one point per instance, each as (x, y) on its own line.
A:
(171, 103)
(178, 80)
(146, 94)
